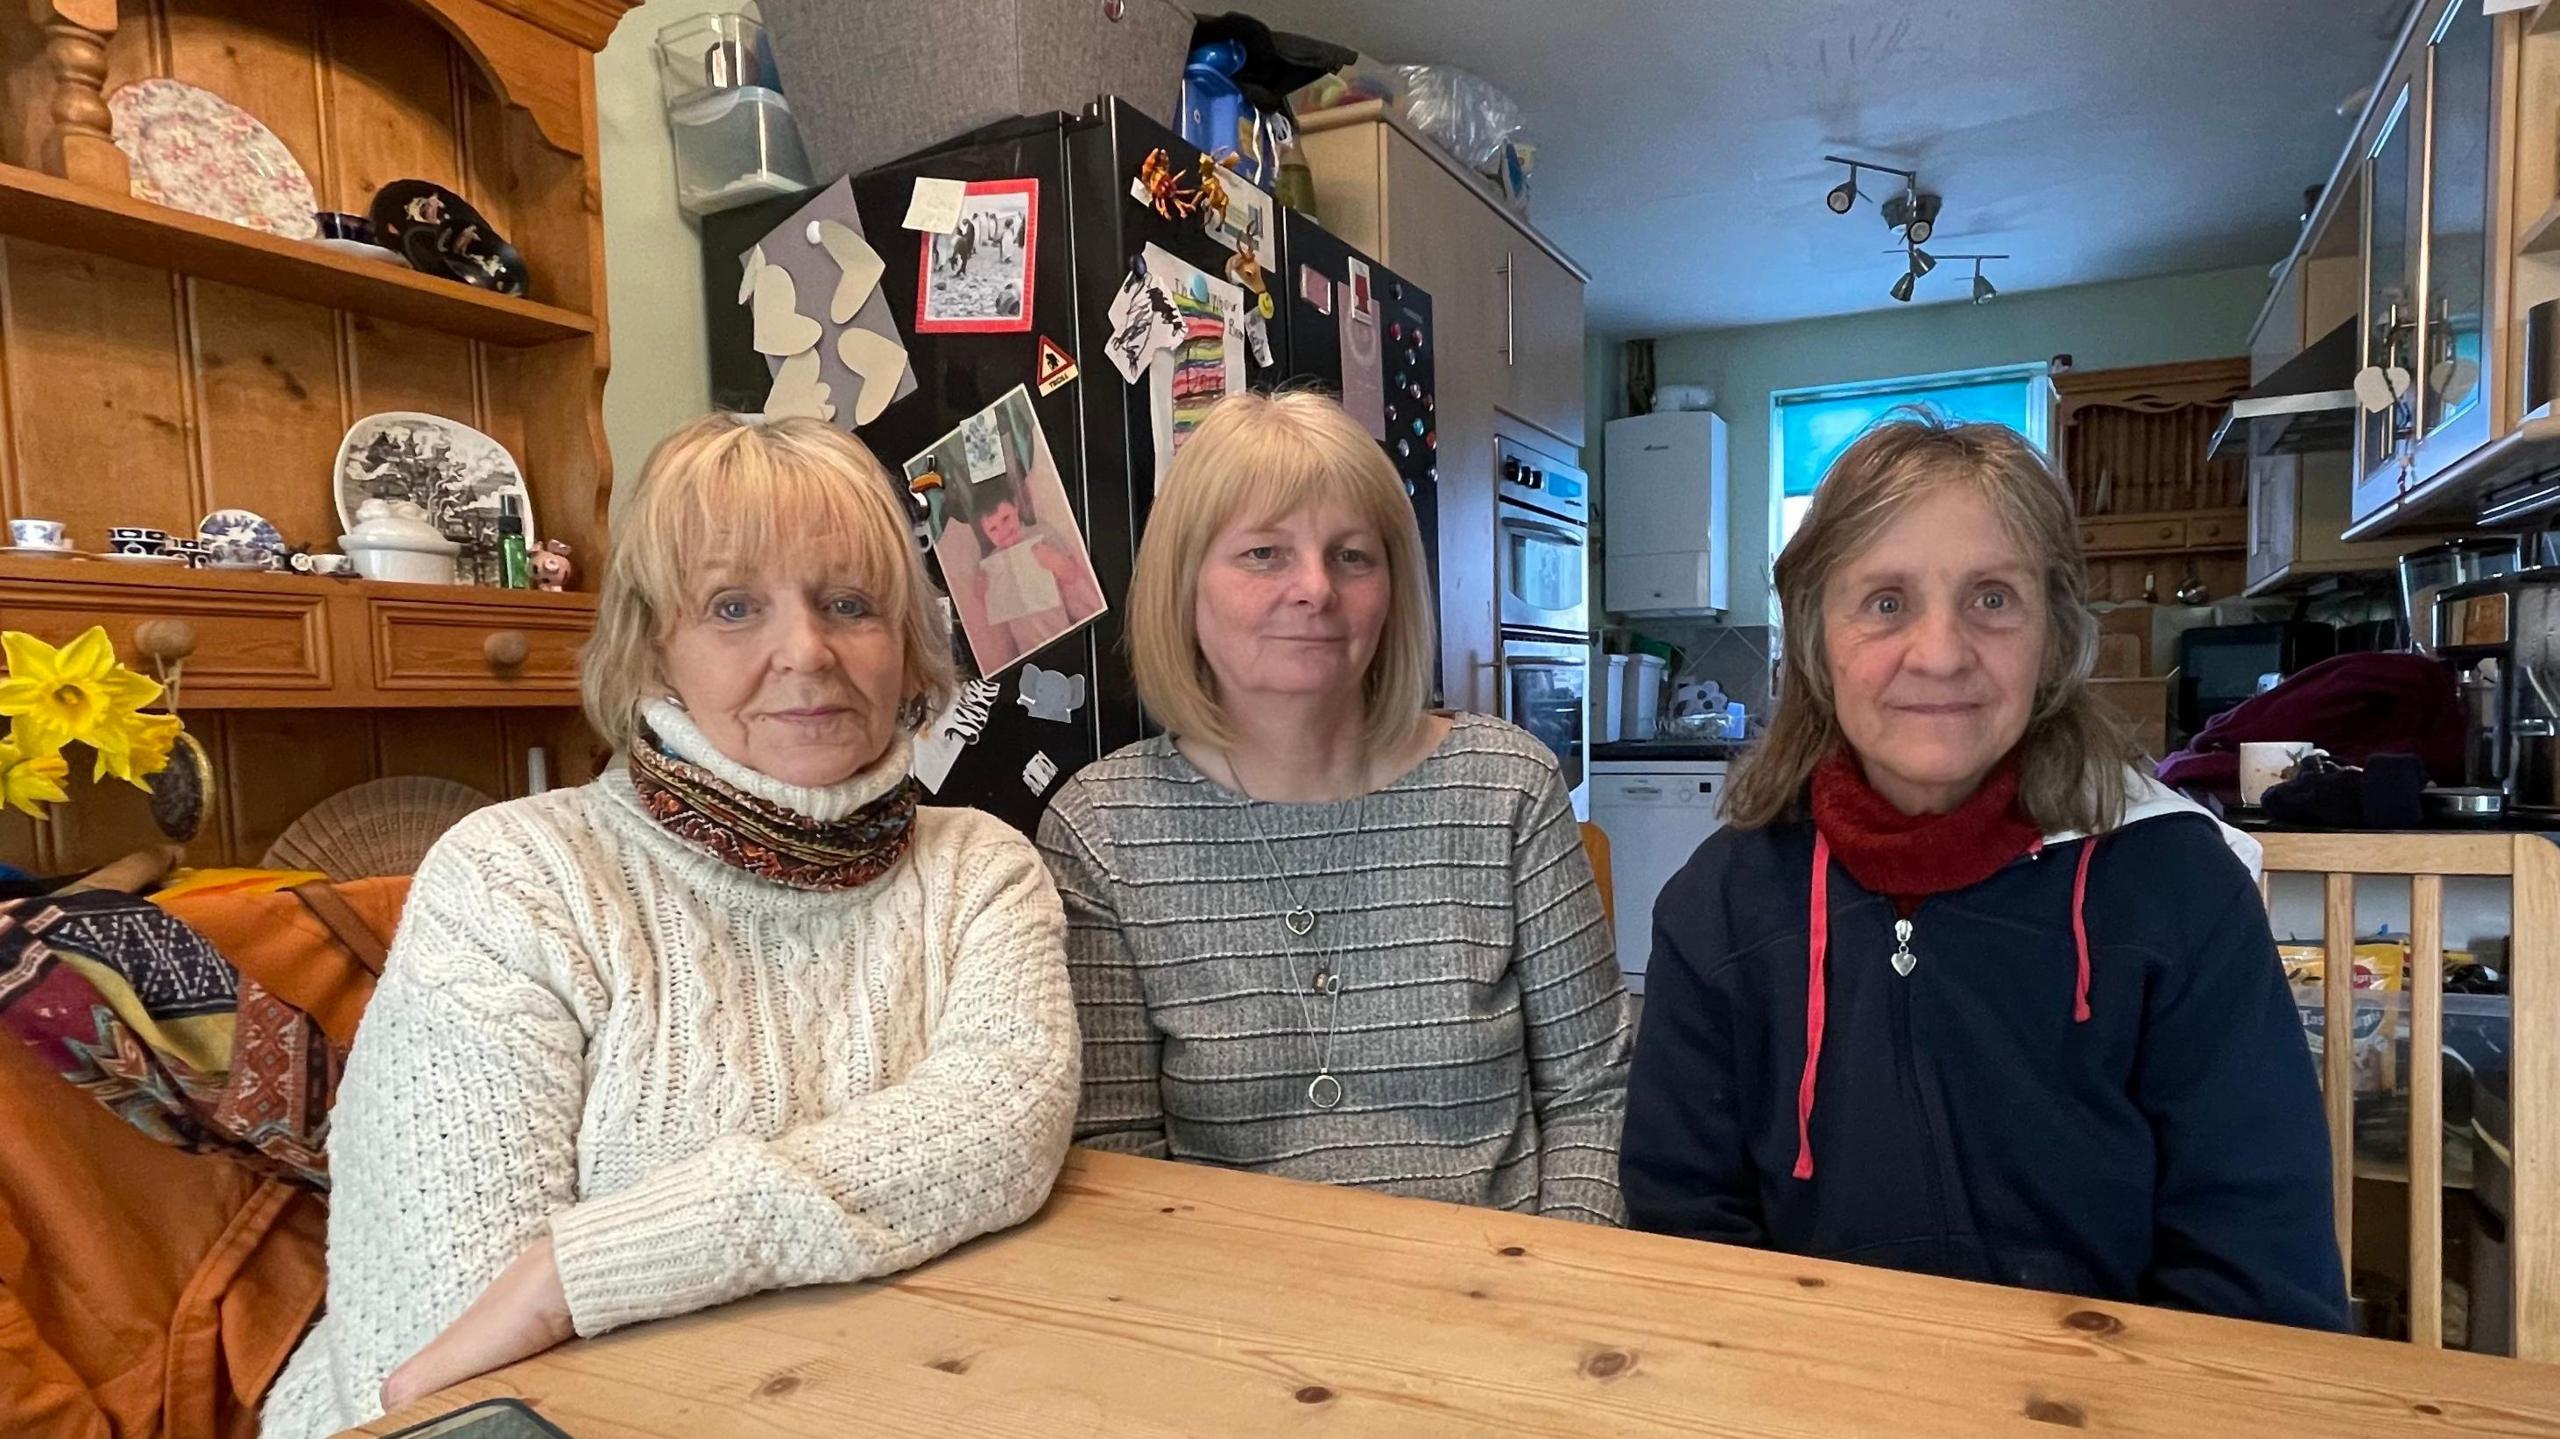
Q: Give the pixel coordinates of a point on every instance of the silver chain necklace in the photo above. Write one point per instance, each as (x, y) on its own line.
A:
(1324, 1091)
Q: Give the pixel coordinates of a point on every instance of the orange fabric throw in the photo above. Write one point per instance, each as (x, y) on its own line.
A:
(151, 1293)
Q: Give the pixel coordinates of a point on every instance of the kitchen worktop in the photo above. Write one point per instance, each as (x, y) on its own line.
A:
(1621, 751)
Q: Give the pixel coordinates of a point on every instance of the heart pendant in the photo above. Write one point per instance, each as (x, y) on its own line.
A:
(1903, 959)
(1300, 920)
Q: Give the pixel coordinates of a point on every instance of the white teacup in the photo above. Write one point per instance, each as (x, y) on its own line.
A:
(2267, 763)
(311, 564)
(37, 534)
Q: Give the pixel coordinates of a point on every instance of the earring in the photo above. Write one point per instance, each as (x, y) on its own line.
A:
(911, 713)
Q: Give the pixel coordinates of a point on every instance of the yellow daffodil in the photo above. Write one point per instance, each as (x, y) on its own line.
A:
(59, 696)
(135, 747)
(29, 782)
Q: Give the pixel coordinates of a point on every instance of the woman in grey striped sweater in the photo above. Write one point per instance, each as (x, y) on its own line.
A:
(1317, 930)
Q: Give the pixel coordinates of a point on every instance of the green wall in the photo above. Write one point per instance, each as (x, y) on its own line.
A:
(2132, 322)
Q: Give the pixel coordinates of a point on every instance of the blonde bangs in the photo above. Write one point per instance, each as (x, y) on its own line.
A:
(751, 496)
(1253, 460)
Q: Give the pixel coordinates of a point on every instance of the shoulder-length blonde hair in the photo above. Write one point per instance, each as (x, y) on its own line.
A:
(738, 489)
(1256, 458)
(2073, 756)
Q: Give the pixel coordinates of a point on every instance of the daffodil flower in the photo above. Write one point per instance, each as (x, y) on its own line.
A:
(136, 747)
(67, 695)
(29, 782)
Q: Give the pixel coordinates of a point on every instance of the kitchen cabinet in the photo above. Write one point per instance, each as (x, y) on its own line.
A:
(1508, 306)
(2390, 305)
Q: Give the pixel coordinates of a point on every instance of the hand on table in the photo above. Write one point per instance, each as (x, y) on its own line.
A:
(521, 1313)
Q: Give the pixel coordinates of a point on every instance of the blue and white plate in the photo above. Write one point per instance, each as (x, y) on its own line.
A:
(241, 540)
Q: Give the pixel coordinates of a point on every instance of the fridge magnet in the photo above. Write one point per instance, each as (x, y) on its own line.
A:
(934, 205)
(1315, 289)
(1040, 773)
(958, 726)
(1206, 363)
(1362, 300)
(1050, 695)
(1161, 184)
(1143, 324)
(1257, 336)
(797, 391)
(926, 491)
(976, 278)
(1010, 550)
(1057, 367)
(833, 272)
(1363, 383)
(860, 267)
(1248, 223)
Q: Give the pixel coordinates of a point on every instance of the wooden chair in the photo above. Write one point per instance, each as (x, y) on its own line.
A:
(1595, 845)
(2531, 866)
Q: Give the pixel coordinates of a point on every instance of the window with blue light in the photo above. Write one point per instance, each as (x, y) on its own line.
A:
(1808, 428)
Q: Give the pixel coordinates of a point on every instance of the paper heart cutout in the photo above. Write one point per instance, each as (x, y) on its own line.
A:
(862, 266)
(748, 269)
(781, 329)
(880, 362)
(797, 391)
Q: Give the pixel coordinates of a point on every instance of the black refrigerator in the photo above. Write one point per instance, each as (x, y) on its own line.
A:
(1100, 431)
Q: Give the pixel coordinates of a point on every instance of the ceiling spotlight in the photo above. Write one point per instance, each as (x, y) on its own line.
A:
(1902, 286)
(1982, 289)
(1921, 263)
(1844, 194)
(1913, 213)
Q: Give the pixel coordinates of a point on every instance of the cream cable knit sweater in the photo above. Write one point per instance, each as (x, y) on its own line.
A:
(704, 1084)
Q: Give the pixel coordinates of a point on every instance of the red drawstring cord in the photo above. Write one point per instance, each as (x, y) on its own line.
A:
(2080, 929)
(1813, 1004)
(1820, 946)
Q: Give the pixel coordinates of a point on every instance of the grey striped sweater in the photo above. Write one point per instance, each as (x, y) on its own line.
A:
(1481, 1042)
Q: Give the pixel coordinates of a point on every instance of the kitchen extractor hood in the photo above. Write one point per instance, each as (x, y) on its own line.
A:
(2306, 406)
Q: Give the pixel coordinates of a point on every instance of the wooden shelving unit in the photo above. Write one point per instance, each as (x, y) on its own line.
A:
(37, 206)
(157, 365)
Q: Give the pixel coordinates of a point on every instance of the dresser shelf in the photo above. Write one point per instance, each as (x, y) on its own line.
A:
(38, 206)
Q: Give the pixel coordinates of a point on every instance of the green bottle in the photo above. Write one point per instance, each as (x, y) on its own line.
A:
(515, 572)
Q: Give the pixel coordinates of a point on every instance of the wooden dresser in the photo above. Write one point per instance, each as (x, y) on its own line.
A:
(155, 366)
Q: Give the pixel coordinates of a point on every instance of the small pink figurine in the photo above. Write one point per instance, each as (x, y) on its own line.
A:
(551, 567)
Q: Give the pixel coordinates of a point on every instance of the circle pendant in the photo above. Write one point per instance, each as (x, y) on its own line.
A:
(1324, 1092)
(1300, 920)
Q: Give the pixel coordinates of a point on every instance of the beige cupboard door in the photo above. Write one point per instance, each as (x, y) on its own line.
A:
(1436, 236)
(1542, 317)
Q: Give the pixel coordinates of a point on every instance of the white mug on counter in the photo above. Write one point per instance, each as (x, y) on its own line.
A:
(2268, 763)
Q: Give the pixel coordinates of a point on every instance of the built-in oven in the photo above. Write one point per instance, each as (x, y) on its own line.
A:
(1545, 688)
(1542, 562)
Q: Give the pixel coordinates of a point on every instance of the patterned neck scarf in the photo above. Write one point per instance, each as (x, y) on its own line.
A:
(765, 839)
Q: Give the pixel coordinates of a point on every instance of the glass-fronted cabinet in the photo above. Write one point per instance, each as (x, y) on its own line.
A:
(2454, 385)
(2390, 298)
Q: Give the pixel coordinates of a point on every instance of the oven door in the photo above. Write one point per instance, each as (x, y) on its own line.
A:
(1541, 570)
(1545, 688)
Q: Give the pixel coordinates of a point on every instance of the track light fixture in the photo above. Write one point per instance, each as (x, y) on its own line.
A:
(1983, 289)
(1918, 262)
(1922, 262)
(1913, 213)
(1844, 196)
(1902, 286)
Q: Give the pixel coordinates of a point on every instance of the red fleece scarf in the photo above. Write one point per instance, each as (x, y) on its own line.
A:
(1907, 858)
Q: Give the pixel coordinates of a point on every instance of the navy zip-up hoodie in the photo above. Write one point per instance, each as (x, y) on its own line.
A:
(2168, 1149)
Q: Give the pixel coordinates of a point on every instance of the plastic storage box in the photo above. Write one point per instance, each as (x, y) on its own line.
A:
(735, 139)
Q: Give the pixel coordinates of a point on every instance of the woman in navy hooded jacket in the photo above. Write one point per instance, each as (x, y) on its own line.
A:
(1959, 990)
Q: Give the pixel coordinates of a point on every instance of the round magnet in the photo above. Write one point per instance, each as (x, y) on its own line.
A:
(1265, 306)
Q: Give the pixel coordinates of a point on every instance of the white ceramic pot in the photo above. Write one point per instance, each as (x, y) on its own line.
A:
(419, 561)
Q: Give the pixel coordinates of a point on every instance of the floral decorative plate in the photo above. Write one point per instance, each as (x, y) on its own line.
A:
(192, 150)
(241, 540)
(445, 467)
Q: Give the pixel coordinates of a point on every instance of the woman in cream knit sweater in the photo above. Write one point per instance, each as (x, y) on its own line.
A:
(737, 1017)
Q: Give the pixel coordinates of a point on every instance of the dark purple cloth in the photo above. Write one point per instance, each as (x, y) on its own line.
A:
(2355, 707)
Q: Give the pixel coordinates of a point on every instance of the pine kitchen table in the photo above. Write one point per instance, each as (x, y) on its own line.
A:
(1159, 1299)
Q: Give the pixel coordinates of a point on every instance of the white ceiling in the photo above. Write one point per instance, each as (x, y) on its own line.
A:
(1680, 141)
